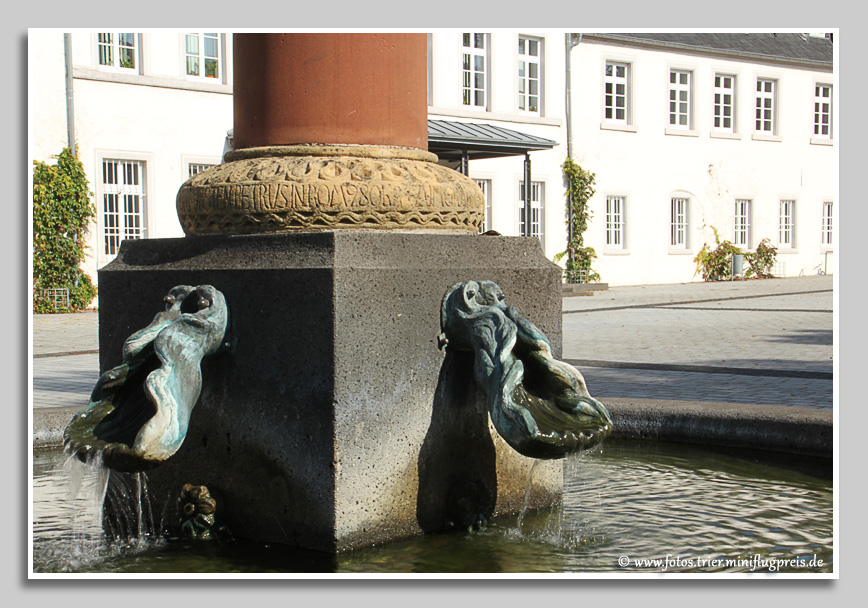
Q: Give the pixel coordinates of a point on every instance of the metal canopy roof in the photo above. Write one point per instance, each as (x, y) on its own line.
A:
(450, 140)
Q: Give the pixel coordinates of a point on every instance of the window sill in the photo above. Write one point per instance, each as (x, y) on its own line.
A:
(612, 126)
(765, 137)
(465, 112)
(679, 251)
(205, 80)
(152, 81)
(110, 69)
(682, 132)
(787, 250)
(616, 252)
(822, 141)
(724, 135)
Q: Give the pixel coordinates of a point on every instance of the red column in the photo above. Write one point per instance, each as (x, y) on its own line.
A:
(368, 89)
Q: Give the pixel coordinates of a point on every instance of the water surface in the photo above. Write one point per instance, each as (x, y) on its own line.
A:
(627, 507)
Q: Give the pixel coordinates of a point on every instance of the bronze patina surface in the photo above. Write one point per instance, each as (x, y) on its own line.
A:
(139, 410)
(539, 405)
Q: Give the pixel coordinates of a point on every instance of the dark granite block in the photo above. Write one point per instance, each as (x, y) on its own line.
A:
(333, 421)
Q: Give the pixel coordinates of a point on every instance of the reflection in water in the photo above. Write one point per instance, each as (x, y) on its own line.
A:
(642, 501)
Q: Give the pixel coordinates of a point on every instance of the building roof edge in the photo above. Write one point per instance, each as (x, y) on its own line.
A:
(681, 46)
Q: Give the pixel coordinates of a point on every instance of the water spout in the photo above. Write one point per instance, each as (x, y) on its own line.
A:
(139, 410)
(539, 405)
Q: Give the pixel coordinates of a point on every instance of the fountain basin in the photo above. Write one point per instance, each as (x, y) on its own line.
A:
(672, 504)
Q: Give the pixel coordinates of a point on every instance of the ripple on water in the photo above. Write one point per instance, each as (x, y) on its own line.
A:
(68, 533)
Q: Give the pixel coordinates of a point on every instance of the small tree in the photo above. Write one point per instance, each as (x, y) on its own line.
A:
(61, 211)
(580, 189)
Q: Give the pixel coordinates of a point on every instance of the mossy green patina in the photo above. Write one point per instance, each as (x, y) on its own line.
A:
(140, 409)
(539, 405)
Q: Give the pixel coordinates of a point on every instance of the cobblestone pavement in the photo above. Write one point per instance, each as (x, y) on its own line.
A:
(761, 342)
(755, 342)
(65, 359)
(64, 381)
(53, 334)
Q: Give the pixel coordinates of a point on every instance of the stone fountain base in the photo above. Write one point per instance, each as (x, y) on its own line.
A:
(333, 421)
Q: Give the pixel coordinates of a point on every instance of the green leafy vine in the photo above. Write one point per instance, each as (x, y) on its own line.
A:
(62, 208)
(580, 189)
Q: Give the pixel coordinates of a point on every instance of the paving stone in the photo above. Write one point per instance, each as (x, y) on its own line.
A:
(691, 386)
(777, 326)
(64, 381)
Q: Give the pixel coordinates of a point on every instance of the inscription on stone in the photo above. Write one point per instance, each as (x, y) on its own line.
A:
(297, 192)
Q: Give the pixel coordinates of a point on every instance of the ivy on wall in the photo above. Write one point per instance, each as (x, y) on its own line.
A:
(62, 208)
(580, 189)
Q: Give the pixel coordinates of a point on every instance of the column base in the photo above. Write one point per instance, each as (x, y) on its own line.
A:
(327, 187)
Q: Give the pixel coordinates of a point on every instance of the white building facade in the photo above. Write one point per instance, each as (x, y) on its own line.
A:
(512, 81)
(148, 110)
(686, 133)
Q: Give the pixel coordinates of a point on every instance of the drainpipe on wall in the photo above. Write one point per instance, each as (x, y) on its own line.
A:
(569, 48)
(569, 51)
(70, 111)
(528, 229)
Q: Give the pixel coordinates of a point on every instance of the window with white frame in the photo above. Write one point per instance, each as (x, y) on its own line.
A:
(741, 231)
(475, 70)
(724, 103)
(485, 186)
(202, 55)
(680, 99)
(765, 106)
(529, 74)
(823, 111)
(197, 168)
(616, 98)
(536, 211)
(827, 224)
(786, 232)
(678, 223)
(117, 50)
(123, 203)
(615, 223)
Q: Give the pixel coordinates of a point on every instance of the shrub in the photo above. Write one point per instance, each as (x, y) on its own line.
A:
(762, 262)
(61, 211)
(716, 264)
